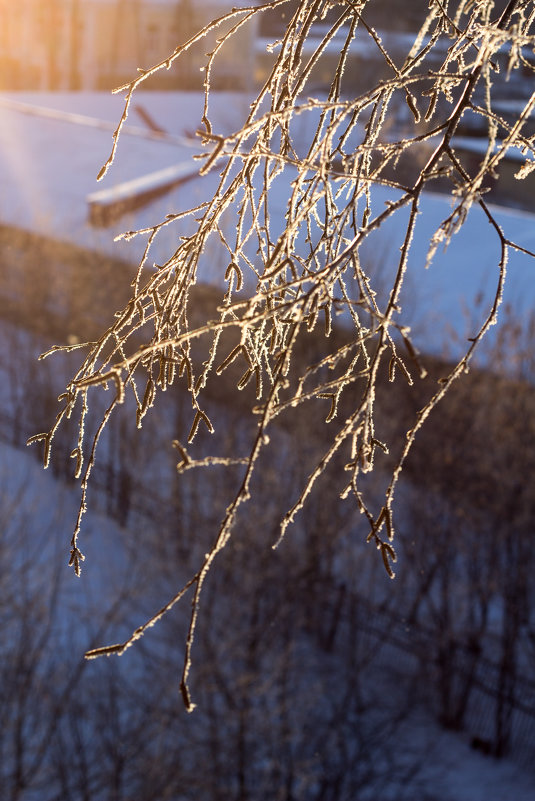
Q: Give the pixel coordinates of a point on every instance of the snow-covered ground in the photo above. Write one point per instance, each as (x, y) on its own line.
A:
(448, 302)
(453, 771)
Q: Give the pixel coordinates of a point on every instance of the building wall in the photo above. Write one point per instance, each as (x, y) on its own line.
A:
(99, 44)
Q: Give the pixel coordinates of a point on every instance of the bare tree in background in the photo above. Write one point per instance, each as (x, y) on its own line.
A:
(288, 275)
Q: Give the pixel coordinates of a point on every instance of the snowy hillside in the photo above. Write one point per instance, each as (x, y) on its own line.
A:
(415, 759)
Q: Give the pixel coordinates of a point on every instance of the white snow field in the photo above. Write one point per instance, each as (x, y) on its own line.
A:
(52, 146)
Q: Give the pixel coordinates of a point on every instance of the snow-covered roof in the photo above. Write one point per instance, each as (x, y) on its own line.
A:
(52, 146)
(49, 164)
